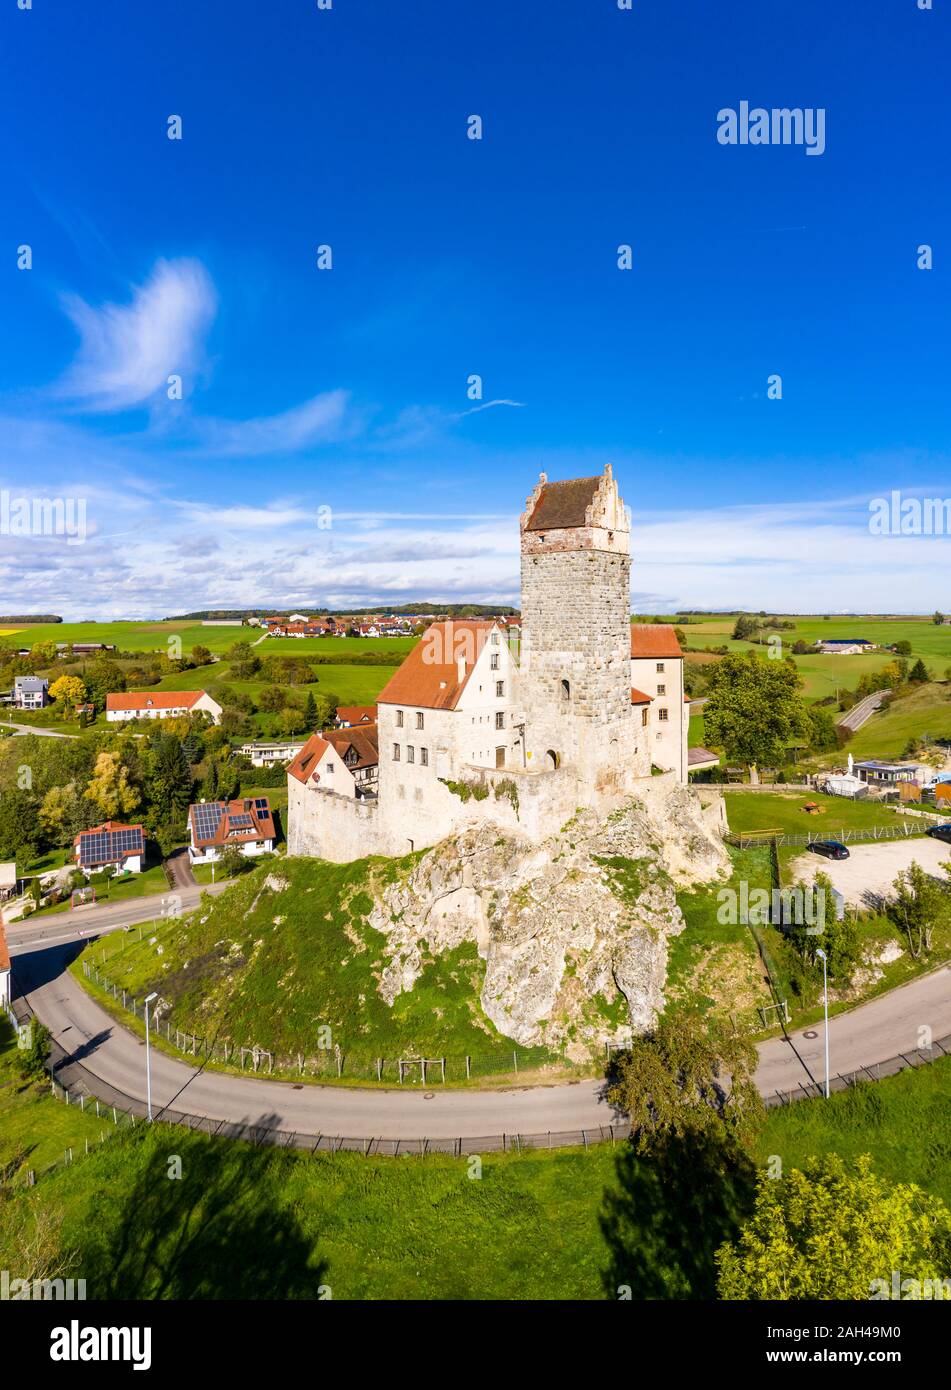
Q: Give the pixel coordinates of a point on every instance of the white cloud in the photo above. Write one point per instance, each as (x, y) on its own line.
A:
(324, 419)
(128, 351)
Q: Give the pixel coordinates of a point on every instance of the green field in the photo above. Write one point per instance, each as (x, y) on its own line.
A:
(822, 674)
(138, 637)
(561, 1225)
(750, 812)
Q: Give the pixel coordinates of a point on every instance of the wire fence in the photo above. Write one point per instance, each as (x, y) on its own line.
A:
(750, 839)
(334, 1063)
(78, 1085)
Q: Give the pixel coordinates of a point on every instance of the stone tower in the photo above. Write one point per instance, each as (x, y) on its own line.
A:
(575, 681)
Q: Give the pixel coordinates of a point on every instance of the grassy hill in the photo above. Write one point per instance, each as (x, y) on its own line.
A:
(926, 712)
(269, 968)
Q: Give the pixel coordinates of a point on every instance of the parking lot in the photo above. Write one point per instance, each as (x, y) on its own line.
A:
(866, 877)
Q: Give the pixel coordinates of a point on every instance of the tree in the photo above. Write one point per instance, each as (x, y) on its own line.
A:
(310, 711)
(110, 790)
(272, 698)
(918, 905)
(33, 1059)
(200, 656)
(755, 709)
(825, 1232)
(63, 813)
(103, 678)
(169, 780)
(937, 618)
(18, 827)
(689, 1075)
(69, 691)
(919, 672)
(744, 628)
(903, 648)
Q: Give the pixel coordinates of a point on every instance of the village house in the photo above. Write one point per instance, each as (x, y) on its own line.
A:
(160, 704)
(246, 825)
(111, 845)
(845, 646)
(30, 692)
(341, 762)
(348, 715)
(657, 670)
(263, 754)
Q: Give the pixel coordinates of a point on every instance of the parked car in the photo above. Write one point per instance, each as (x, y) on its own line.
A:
(830, 849)
(941, 832)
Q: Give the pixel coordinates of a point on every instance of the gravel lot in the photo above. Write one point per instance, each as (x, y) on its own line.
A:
(866, 877)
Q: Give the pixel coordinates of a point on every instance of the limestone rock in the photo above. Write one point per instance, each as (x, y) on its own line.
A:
(566, 927)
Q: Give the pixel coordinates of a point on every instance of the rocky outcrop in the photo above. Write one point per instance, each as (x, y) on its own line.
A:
(573, 932)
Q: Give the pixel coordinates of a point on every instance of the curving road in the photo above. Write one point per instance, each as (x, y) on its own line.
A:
(874, 1032)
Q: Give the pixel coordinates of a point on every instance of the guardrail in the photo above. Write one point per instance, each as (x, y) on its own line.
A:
(752, 838)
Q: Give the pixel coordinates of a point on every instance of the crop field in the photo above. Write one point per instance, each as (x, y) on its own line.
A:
(822, 674)
(139, 637)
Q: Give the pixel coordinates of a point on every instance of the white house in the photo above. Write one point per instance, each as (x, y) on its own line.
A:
(246, 825)
(160, 704)
(30, 692)
(264, 754)
(657, 673)
(111, 845)
(343, 761)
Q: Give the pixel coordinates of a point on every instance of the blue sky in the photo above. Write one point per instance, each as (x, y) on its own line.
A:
(347, 388)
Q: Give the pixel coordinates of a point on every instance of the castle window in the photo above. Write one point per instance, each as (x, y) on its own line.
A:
(662, 690)
(500, 688)
(495, 639)
(396, 752)
(500, 719)
(419, 719)
(494, 661)
(424, 756)
(399, 719)
(660, 668)
(410, 754)
(662, 715)
(565, 690)
(330, 767)
(645, 715)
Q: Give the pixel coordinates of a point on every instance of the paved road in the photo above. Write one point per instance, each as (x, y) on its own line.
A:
(36, 932)
(862, 711)
(34, 729)
(875, 1032)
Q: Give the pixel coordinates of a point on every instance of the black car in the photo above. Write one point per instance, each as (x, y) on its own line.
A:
(830, 849)
(941, 832)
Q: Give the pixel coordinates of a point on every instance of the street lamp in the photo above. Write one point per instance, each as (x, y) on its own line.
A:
(825, 1004)
(148, 1059)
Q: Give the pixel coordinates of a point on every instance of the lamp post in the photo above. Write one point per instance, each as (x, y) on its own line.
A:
(825, 1005)
(148, 1058)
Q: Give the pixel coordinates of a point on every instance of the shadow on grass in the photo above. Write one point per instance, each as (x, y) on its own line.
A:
(668, 1213)
(221, 1230)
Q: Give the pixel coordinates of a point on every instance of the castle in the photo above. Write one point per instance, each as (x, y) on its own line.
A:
(476, 728)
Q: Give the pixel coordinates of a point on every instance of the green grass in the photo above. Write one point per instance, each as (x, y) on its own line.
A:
(270, 968)
(119, 890)
(138, 637)
(33, 1126)
(749, 812)
(717, 966)
(249, 1222)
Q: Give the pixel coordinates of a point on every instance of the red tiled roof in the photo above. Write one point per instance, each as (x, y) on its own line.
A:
(357, 714)
(362, 738)
(639, 698)
(307, 759)
(153, 699)
(655, 640)
(4, 953)
(231, 827)
(430, 675)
